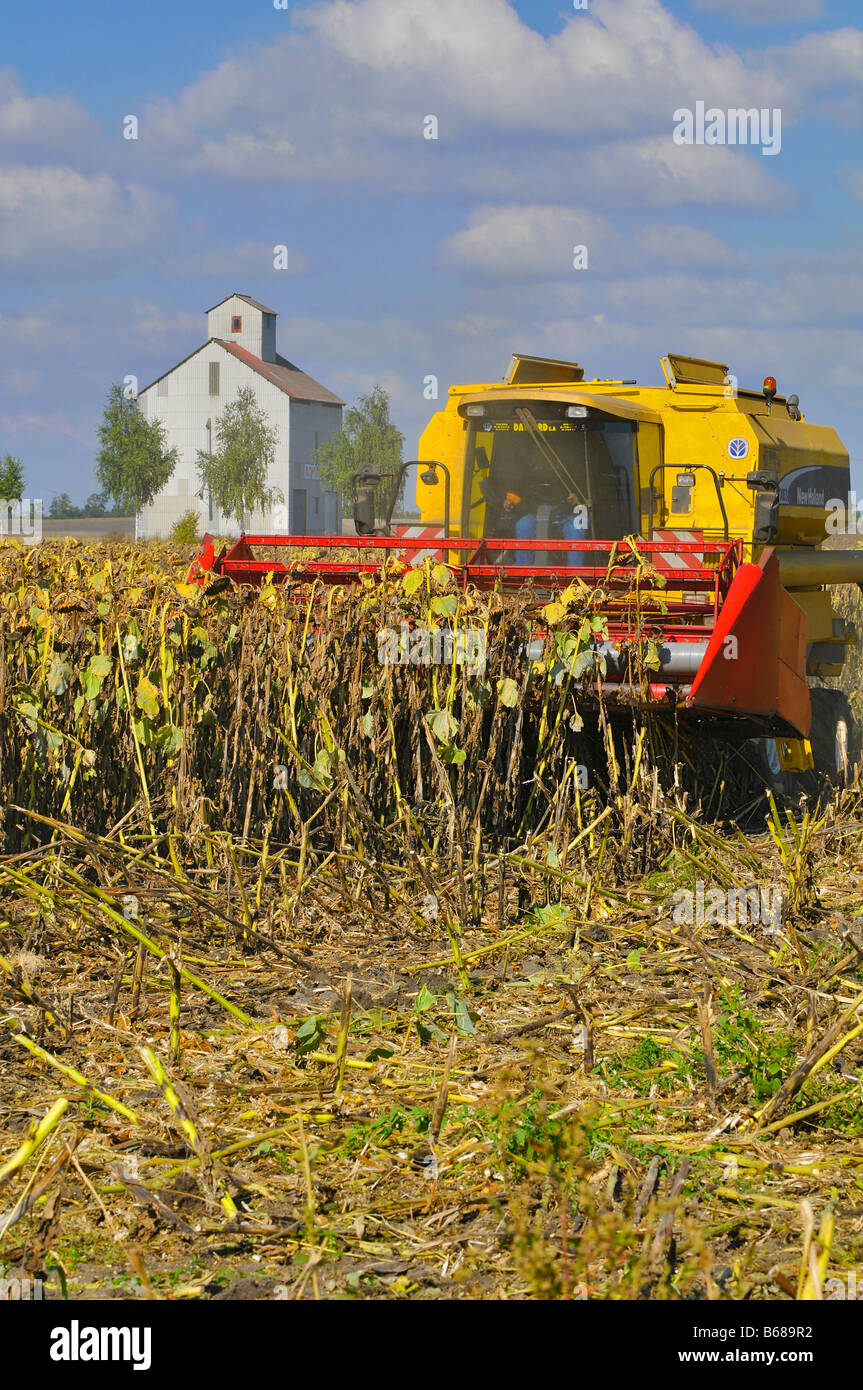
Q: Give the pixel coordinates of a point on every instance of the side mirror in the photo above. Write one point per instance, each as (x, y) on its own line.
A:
(766, 520)
(364, 511)
(761, 478)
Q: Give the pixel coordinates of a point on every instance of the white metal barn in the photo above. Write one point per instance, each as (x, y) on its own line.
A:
(241, 351)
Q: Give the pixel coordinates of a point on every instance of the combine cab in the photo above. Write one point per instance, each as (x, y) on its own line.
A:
(695, 509)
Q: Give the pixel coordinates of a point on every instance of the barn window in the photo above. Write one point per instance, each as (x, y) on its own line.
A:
(214, 378)
(237, 324)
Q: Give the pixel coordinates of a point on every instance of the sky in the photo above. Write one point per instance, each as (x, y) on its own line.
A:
(305, 126)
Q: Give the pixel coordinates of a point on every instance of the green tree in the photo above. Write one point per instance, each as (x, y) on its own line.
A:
(236, 473)
(62, 507)
(133, 464)
(185, 529)
(367, 440)
(96, 505)
(11, 477)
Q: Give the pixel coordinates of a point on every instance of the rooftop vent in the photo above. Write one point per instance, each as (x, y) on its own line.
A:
(537, 371)
(695, 371)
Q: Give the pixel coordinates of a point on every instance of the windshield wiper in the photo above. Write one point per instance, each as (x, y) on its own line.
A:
(548, 453)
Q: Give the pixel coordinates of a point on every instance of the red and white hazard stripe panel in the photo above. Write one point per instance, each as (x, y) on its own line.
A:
(674, 560)
(421, 533)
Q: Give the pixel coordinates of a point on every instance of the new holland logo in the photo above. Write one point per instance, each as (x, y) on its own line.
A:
(738, 448)
(77, 1343)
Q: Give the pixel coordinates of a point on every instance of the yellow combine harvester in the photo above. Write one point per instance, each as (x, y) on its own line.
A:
(720, 493)
(697, 459)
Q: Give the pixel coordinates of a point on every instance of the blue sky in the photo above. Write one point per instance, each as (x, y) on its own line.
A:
(410, 257)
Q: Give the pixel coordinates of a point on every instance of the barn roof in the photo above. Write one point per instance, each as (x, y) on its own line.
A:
(256, 303)
(282, 373)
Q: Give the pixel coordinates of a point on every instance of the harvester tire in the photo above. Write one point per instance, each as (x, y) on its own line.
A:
(834, 740)
(833, 736)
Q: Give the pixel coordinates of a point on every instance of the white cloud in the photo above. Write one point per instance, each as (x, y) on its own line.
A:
(55, 126)
(343, 98)
(405, 395)
(479, 327)
(26, 331)
(240, 155)
(821, 75)
(662, 244)
(343, 95)
(55, 220)
(656, 172)
(527, 241)
(154, 328)
(41, 423)
(523, 242)
(610, 67)
(563, 128)
(678, 296)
